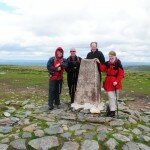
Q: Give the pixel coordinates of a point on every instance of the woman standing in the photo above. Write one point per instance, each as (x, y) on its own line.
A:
(112, 83)
(55, 67)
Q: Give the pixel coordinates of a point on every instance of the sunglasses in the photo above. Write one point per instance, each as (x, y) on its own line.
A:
(72, 51)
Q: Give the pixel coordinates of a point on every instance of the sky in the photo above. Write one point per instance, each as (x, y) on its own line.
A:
(33, 29)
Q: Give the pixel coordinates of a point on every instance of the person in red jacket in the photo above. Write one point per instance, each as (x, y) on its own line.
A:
(112, 83)
(55, 67)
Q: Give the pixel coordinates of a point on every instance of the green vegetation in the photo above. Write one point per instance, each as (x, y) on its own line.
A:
(21, 83)
(137, 82)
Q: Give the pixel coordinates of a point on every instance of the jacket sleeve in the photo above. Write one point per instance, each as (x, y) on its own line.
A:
(102, 67)
(64, 64)
(77, 63)
(120, 75)
(87, 57)
(101, 58)
(50, 67)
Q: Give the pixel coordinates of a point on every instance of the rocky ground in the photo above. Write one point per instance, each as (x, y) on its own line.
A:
(30, 125)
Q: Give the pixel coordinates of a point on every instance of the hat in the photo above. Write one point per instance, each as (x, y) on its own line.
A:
(59, 49)
(113, 53)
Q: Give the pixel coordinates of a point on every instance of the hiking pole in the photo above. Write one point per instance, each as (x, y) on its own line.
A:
(116, 100)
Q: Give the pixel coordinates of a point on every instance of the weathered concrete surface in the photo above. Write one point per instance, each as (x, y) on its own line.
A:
(87, 95)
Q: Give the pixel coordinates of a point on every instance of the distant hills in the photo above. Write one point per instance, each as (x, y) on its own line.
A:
(138, 68)
(126, 65)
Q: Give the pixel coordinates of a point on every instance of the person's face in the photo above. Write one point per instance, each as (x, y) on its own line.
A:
(59, 54)
(93, 47)
(112, 58)
(73, 52)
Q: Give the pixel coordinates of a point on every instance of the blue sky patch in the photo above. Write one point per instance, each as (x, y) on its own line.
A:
(5, 7)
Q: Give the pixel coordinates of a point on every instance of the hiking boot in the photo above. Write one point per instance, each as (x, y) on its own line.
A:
(58, 106)
(69, 104)
(108, 112)
(112, 114)
(51, 108)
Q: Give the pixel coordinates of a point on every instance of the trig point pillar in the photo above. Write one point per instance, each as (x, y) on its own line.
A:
(88, 94)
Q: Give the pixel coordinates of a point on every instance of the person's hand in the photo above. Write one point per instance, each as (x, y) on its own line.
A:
(57, 65)
(97, 60)
(114, 83)
(59, 68)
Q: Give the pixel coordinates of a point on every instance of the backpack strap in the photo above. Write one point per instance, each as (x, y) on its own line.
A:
(107, 64)
(118, 65)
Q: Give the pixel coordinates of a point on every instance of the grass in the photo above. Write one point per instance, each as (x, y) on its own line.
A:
(20, 83)
(24, 83)
(137, 82)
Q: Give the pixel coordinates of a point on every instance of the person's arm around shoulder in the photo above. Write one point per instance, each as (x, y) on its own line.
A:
(64, 63)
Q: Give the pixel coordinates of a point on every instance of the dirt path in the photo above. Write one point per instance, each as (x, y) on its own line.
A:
(139, 104)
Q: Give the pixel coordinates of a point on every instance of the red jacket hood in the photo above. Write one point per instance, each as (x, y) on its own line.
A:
(61, 50)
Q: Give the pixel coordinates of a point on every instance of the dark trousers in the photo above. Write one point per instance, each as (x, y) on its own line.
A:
(54, 92)
(72, 83)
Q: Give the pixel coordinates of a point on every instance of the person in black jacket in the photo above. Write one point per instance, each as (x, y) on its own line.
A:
(72, 72)
(95, 53)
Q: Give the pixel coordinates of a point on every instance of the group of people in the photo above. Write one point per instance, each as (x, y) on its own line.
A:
(58, 64)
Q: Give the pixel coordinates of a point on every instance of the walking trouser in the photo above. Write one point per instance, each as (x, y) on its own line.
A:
(72, 83)
(72, 89)
(112, 99)
(54, 92)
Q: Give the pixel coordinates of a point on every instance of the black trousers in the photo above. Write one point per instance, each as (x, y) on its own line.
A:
(54, 92)
(72, 83)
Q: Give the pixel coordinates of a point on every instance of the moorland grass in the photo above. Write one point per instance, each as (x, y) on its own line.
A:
(23, 82)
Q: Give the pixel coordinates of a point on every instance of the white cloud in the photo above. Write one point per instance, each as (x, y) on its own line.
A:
(35, 28)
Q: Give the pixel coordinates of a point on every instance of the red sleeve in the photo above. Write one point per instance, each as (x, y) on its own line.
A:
(120, 75)
(102, 68)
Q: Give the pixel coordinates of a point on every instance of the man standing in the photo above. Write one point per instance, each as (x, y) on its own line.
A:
(72, 72)
(95, 53)
(55, 67)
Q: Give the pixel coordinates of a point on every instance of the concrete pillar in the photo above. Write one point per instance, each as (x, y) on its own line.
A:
(87, 94)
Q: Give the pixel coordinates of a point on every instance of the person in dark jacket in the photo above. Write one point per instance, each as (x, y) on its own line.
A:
(112, 83)
(95, 53)
(55, 67)
(72, 72)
